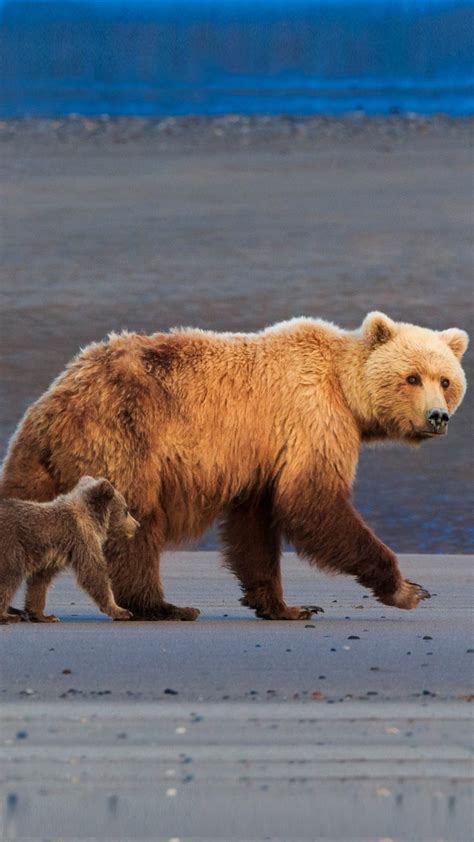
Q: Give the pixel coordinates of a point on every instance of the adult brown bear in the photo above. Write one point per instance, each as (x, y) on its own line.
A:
(262, 429)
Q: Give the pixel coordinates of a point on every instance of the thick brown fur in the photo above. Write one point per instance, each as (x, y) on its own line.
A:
(38, 540)
(262, 430)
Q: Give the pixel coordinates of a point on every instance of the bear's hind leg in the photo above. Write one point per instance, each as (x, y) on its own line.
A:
(252, 546)
(134, 569)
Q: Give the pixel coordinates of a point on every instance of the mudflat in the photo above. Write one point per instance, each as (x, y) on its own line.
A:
(232, 224)
(354, 726)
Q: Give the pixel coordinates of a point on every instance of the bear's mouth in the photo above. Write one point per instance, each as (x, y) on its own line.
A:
(424, 433)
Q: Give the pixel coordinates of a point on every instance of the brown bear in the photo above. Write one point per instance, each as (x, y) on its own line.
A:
(40, 539)
(260, 429)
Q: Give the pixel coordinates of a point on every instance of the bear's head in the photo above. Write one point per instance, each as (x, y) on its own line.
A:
(413, 378)
(107, 506)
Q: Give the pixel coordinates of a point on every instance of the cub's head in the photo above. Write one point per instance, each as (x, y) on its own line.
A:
(413, 377)
(107, 506)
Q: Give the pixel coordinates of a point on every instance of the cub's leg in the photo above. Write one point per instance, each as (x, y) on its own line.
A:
(27, 475)
(134, 568)
(92, 575)
(325, 528)
(252, 547)
(36, 592)
(10, 580)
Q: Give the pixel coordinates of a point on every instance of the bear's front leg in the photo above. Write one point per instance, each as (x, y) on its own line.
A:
(252, 544)
(327, 530)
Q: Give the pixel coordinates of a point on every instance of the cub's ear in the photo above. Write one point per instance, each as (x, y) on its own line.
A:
(99, 496)
(377, 329)
(456, 339)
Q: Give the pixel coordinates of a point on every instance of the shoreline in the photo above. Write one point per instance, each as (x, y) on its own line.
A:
(240, 131)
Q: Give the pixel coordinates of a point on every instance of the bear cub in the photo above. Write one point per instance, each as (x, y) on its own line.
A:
(37, 538)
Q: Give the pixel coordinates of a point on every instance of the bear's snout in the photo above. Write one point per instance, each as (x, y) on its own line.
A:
(437, 420)
(131, 526)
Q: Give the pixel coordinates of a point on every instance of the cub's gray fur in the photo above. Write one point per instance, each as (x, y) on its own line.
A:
(38, 538)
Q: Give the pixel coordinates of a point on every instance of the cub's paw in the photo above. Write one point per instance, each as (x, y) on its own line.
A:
(22, 615)
(42, 618)
(408, 596)
(121, 614)
(10, 618)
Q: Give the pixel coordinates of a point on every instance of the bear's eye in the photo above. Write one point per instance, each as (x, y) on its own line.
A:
(445, 382)
(414, 380)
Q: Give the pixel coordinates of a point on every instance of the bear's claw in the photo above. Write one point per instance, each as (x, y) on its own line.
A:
(408, 596)
(422, 592)
(289, 612)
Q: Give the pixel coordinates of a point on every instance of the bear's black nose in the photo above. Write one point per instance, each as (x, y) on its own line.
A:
(437, 418)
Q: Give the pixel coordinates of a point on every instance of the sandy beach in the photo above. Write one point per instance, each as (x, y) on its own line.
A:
(234, 223)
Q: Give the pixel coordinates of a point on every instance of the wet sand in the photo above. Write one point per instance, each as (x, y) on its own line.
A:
(353, 726)
(364, 650)
(233, 224)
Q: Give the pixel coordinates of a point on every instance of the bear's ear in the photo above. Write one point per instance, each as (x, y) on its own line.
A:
(377, 329)
(100, 495)
(456, 339)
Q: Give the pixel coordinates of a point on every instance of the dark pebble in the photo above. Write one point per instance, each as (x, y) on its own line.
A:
(427, 637)
(67, 672)
(353, 637)
(21, 735)
(470, 651)
(375, 669)
(289, 650)
(170, 692)
(321, 677)
(12, 801)
(333, 649)
(310, 626)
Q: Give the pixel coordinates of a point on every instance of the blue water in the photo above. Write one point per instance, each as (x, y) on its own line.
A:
(156, 57)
